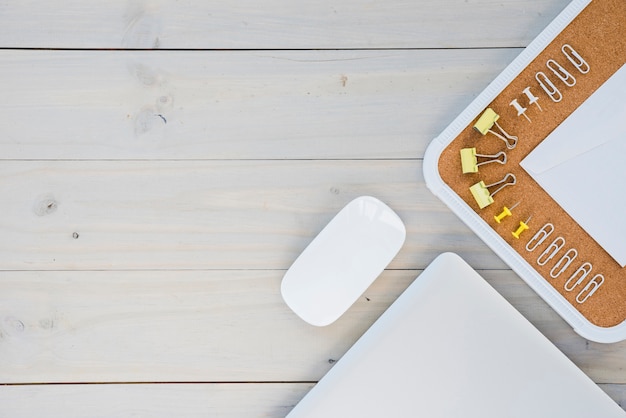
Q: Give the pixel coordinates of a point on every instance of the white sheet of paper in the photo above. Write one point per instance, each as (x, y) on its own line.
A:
(582, 165)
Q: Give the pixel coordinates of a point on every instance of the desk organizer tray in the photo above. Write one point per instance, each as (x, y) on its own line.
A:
(532, 166)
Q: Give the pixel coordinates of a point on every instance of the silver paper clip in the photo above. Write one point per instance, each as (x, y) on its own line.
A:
(561, 73)
(549, 87)
(590, 288)
(578, 277)
(563, 263)
(540, 237)
(575, 58)
(549, 253)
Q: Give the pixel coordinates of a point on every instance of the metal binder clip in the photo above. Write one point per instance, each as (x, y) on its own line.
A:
(575, 58)
(540, 237)
(563, 263)
(487, 120)
(577, 278)
(590, 288)
(469, 159)
(549, 253)
(561, 73)
(481, 194)
(505, 212)
(521, 111)
(532, 99)
(548, 87)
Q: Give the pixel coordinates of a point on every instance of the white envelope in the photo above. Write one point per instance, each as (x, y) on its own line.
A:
(582, 165)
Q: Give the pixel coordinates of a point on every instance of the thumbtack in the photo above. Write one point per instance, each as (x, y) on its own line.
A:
(505, 212)
(523, 226)
(521, 111)
(480, 190)
(532, 99)
(469, 159)
(487, 120)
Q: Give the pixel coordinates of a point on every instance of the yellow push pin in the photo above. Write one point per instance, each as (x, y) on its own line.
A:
(480, 190)
(469, 159)
(487, 120)
(523, 226)
(505, 212)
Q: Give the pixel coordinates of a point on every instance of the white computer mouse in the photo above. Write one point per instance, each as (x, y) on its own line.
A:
(343, 260)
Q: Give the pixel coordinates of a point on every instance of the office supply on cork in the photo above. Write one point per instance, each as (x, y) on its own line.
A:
(469, 159)
(505, 212)
(487, 121)
(532, 99)
(521, 111)
(452, 333)
(483, 196)
(566, 164)
(523, 226)
(563, 263)
(574, 57)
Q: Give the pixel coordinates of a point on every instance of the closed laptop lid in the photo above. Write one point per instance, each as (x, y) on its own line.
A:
(451, 346)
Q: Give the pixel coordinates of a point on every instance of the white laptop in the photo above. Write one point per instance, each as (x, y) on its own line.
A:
(451, 346)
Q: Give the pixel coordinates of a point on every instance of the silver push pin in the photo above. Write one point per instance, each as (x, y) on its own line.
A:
(532, 99)
(521, 111)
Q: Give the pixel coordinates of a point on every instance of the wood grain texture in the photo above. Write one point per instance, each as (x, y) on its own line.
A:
(211, 105)
(156, 400)
(166, 400)
(212, 326)
(152, 199)
(276, 24)
(208, 214)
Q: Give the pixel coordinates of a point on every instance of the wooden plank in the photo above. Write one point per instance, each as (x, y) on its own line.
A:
(167, 400)
(208, 214)
(183, 326)
(212, 326)
(155, 400)
(277, 24)
(235, 105)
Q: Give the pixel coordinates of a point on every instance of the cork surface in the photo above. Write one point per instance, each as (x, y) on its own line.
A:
(598, 34)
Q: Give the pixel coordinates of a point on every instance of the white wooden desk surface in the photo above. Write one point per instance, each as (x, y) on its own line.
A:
(163, 163)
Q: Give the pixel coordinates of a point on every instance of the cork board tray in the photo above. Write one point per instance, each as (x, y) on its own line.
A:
(569, 268)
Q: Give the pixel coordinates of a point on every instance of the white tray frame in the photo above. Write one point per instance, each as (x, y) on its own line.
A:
(435, 183)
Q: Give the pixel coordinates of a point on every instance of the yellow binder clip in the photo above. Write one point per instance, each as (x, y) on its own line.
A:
(469, 159)
(481, 193)
(487, 120)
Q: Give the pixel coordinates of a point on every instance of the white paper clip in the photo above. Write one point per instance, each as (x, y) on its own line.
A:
(487, 120)
(532, 99)
(549, 87)
(561, 73)
(590, 288)
(469, 159)
(481, 194)
(563, 263)
(575, 58)
(549, 253)
(521, 111)
(578, 277)
(540, 237)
